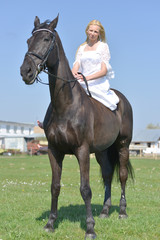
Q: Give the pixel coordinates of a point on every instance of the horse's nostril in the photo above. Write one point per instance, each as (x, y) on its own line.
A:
(31, 75)
(21, 71)
(28, 70)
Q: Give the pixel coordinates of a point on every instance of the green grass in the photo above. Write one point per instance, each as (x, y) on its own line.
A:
(25, 201)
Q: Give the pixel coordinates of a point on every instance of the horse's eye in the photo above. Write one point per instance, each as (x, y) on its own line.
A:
(28, 41)
(46, 39)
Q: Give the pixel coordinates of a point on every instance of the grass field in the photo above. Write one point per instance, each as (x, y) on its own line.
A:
(25, 201)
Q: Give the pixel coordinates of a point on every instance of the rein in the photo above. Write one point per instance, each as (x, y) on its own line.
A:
(42, 65)
(38, 79)
(63, 79)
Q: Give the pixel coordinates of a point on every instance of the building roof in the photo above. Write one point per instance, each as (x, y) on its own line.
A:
(147, 135)
(17, 123)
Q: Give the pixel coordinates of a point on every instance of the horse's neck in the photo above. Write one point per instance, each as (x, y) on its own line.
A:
(60, 90)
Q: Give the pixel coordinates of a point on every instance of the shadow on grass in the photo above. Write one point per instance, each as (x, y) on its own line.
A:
(75, 213)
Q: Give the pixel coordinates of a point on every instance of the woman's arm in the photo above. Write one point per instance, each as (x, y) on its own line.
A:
(75, 69)
(98, 74)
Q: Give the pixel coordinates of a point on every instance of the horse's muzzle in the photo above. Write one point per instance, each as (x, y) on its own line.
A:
(28, 73)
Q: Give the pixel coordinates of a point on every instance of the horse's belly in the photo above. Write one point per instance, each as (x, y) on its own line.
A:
(103, 143)
(105, 134)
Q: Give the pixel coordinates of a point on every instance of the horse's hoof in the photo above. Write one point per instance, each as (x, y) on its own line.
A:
(90, 236)
(48, 228)
(103, 215)
(123, 216)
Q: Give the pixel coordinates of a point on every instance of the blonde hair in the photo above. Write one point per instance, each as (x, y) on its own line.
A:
(102, 35)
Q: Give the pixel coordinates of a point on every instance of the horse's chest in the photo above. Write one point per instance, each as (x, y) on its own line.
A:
(62, 134)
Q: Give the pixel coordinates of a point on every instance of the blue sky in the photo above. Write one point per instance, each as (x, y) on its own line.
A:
(133, 34)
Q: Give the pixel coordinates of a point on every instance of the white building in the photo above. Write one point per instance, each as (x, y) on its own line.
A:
(146, 141)
(15, 128)
(14, 135)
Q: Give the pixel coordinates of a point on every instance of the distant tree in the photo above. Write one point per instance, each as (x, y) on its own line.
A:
(153, 126)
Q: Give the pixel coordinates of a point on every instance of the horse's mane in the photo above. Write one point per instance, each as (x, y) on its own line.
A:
(61, 50)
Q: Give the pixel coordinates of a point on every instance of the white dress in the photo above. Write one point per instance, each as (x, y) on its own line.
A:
(90, 62)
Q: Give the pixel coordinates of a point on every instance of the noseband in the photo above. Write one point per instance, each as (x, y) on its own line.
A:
(44, 58)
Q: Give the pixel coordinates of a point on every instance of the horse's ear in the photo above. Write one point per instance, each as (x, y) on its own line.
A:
(53, 24)
(36, 21)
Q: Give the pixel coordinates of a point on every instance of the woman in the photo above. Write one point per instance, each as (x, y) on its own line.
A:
(92, 60)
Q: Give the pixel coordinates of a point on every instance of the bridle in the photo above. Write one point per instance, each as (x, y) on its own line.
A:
(42, 66)
(44, 58)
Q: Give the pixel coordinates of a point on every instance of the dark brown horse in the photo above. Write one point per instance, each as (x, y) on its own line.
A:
(78, 124)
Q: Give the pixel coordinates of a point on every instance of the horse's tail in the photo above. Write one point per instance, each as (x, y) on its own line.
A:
(113, 156)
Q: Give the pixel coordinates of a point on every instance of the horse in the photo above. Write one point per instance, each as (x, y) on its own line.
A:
(75, 123)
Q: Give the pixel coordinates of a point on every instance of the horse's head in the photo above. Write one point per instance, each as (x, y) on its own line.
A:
(41, 46)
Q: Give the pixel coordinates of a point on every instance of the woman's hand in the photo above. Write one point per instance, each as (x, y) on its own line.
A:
(78, 76)
(75, 71)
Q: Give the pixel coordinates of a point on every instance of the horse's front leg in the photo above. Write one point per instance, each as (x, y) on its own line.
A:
(56, 159)
(82, 155)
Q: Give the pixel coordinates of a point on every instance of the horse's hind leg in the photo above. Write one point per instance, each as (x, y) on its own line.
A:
(123, 175)
(107, 170)
(56, 165)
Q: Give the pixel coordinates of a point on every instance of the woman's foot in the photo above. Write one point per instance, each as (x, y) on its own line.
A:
(40, 124)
